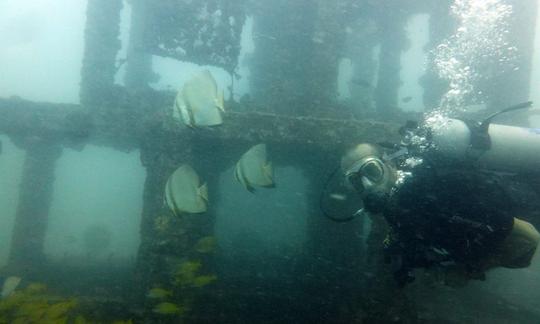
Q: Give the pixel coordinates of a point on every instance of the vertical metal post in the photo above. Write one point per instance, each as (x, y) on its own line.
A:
(281, 65)
(35, 196)
(139, 62)
(393, 42)
(101, 46)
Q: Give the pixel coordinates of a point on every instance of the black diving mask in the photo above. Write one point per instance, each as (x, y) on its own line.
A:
(366, 173)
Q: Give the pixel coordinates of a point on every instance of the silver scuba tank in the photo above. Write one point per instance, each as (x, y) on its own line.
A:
(491, 146)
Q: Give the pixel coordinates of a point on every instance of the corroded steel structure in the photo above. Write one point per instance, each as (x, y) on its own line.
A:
(135, 118)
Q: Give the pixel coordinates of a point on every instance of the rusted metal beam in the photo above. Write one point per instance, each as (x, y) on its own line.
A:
(22, 117)
(67, 123)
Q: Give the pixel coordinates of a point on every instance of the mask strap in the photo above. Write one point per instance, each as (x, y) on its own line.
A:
(401, 152)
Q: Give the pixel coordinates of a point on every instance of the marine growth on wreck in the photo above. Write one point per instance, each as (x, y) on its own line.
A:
(180, 161)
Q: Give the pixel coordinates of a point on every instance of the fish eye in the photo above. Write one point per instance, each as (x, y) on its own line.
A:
(373, 170)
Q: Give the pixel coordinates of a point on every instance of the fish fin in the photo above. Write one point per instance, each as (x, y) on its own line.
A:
(268, 171)
(203, 192)
(236, 174)
(220, 101)
(183, 110)
(242, 179)
(250, 188)
(172, 204)
(259, 149)
(267, 175)
(167, 199)
(176, 112)
(180, 108)
(188, 105)
(191, 116)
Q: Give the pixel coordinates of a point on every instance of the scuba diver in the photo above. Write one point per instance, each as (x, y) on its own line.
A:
(443, 212)
(456, 218)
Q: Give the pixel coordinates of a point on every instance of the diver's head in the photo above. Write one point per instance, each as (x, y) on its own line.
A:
(366, 172)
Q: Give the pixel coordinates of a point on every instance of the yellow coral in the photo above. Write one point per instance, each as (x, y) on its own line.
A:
(80, 320)
(20, 320)
(11, 302)
(186, 272)
(33, 311)
(189, 267)
(158, 293)
(201, 281)
(168, 309)
(32, 305)
(58, 310)
(36, 288)
(187, 275)
(206, 244)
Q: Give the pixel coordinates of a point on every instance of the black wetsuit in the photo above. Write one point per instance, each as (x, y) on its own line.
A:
(440, 216)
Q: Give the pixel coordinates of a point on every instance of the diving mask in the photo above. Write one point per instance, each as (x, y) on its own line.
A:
(365, 174)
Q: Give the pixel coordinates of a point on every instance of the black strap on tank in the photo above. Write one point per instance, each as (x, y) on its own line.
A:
(480, 139)
(523, 105)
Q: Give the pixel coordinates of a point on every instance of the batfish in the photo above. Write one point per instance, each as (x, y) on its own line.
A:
(10, 284)
(254, 169)
(184, 192)
(199, 102)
